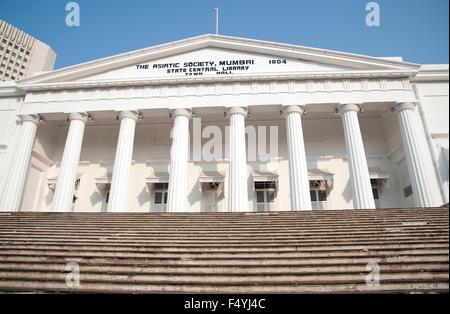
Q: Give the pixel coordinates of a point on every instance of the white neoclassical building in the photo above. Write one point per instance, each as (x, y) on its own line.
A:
(218, 123)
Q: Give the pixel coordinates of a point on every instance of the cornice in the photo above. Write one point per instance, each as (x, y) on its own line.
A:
(215, 79)
(432, 73)
(10, 89)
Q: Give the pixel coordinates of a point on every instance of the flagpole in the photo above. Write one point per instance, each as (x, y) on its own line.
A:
(217, 20)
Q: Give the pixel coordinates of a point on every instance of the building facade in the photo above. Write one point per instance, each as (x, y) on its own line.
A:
(21, 55)
(218, 123)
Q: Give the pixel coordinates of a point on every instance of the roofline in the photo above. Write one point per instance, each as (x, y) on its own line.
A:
(432, 72)
(128, 57)
(312, 49)
(10, 89)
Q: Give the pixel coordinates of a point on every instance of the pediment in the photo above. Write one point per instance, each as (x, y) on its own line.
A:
(215, 56)
(212, 62)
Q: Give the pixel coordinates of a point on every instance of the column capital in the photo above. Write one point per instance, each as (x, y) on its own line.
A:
(30, 117)
(181, 112)
(128, 114)
(290, 109)
(236, 110)
(403, 106)
(341, 109)
(82, 116)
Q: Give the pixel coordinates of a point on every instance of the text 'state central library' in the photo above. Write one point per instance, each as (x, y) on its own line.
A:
(224, 124)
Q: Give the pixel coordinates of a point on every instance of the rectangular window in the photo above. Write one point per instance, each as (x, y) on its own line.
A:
(322, 195)
(265, 195)
(313, 194)
(161, 186)
(270, 195)
(160, 197)
(375, 192)
(318, 198)
(260, 196)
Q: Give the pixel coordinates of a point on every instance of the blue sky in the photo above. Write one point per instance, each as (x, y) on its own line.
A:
(417, 30)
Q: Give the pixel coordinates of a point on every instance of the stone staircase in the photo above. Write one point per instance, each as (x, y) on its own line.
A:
(277, 252)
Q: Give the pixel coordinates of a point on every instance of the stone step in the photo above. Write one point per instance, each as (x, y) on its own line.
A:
(242, 242)
(144, 279)
(49, 286)
(236, 235)
(251, 217)
(230, 270)
(220, 231)
(273, 261)
(310, 243)
(416, 225)
(218, 255)
(276, 252)
(269, 224)
(95, 246)
(233, 223)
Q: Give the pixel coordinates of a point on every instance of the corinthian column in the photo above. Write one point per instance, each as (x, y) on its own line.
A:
(298, 171)
(357, 163)
(17, 175)
(62, 202)
(237, 186)
(420, 166)
(176, 199)
(121, 172)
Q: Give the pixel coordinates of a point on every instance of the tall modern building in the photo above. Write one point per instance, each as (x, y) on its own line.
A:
(21, 55)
